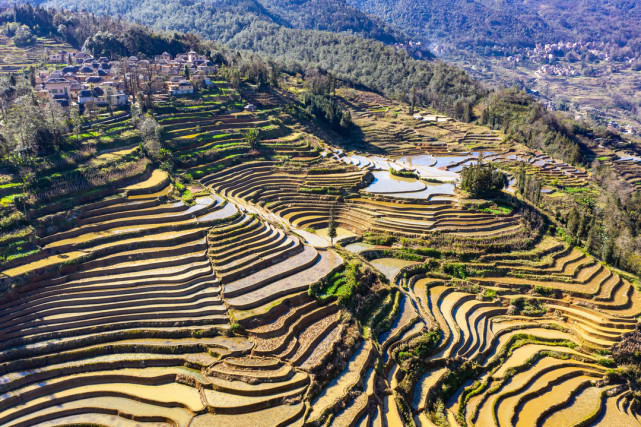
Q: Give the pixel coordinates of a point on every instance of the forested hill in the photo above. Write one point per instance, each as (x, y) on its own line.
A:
(485, 25)
(223, 19)
(331, 15)
(460, 22)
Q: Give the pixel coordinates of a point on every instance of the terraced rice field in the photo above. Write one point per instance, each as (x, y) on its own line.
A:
(13, 59)
(135, 329)
(156, 306)
(286, 195)
(530, 369)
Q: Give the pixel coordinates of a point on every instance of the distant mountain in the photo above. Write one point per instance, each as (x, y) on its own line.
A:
(511, 24)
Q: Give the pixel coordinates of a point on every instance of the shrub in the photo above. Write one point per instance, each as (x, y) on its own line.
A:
(23, 37)
(236, 328)
(608, 363)
(404, 173)
(542, 290)
(428, 252)
(456, 270)
(378, 239)
(489, 293)
(421, 348)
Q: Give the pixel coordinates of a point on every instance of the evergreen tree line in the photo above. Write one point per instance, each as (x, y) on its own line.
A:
(327, 110)
(529, 186)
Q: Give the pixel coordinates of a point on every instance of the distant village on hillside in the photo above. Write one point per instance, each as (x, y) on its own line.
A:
(80, 80)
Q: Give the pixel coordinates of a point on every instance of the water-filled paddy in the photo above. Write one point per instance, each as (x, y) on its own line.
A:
(460, 167)
(627, 157)
(390, 266)
(385, 182)
(430, 190)
(442, 162)
(359, 246)
(421, 160)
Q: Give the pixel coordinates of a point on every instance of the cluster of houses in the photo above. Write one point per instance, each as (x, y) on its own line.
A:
(82, 78)
(557, 70)
(432, 118)
(415, 49)
(601, 119)
(548, 53)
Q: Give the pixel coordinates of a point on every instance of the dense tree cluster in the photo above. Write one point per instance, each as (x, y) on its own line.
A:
(330, 15)
(325, 109)
(101, 36)
(610, 226)
(482, 179)
(522, 119)
(21, 35)
(222, 19)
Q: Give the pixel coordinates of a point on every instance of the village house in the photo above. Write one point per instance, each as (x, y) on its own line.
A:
(79, 57)
(100, 96)
(120, 99)
(162, 57)
(207, 67)
(60, 57)
(74, 90)
(63, 100)
(56, 84)
(182, 87)
(96, 95)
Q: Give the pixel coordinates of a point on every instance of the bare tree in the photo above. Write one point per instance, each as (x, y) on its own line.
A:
(109, 94)
(76, 121)
(55, 121)
(91, 109)
(151, 131)
(20, 129)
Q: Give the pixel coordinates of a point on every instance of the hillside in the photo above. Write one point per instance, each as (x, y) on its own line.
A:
(16, 58)
(219, 237)
(207, 294)
(222, 20)
(564, 52)
(496, 27)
